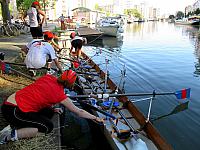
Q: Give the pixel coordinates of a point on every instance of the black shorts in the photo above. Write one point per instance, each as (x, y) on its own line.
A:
(36, 31)
(40, 120)
(77, 44)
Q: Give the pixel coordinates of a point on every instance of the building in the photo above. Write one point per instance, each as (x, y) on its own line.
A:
(196, 5)
(188, 9)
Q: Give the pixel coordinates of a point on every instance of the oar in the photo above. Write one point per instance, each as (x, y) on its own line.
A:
(69, 59)
(6, 68)
(96, 109)
(180, 94)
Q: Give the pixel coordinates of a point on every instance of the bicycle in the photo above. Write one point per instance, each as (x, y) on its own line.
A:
(22, 26)
(9, 29)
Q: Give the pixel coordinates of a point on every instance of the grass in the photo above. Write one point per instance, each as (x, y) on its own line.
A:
(40, 142)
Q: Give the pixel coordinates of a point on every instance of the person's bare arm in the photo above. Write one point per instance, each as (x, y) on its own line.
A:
(80, 112)
(43, 15)
(71, 49)
(58, 65)
(55, 46)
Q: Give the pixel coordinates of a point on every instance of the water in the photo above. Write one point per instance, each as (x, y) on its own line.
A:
(163, 57)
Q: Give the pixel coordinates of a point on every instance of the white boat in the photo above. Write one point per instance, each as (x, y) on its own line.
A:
(193, 20)
(111, 26)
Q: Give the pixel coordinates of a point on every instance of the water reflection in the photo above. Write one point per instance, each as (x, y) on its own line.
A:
(194, 35)
(197, 54)
(141, 28)
(108, 42)
(179, 108)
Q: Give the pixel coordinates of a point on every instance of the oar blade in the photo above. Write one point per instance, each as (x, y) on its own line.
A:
(183, 94)
(5, 68)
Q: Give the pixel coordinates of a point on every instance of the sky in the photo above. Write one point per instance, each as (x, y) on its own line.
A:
(166, 6)
(170, 6)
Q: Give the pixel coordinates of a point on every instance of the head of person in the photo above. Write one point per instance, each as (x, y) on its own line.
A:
(36, 4)
(72, 35)
(48, 36)
(67, 79)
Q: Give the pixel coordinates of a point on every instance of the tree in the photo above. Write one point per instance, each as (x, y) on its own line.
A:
(171, 16)
(179, 15)
(5, 10)
(197, 11)
(133, 12)
(98, 8)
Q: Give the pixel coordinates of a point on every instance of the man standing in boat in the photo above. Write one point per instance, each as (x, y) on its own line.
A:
(77, 43)
(30, 109)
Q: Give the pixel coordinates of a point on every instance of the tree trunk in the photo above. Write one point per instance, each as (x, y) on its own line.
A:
(5, 10)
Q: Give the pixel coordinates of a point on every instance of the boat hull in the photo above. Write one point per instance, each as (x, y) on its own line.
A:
(109, 30)
(153, 139)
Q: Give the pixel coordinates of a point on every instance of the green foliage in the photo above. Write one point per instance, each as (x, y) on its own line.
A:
(197, 11)
(108, 14)
(189, 14)
(133, 12)
(98, 8)
(171, 16)
(179, 15)
(23, 5)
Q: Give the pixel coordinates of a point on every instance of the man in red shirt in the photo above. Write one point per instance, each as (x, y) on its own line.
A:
(30, 109)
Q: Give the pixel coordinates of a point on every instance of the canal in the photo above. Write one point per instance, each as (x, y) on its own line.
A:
(163, 57)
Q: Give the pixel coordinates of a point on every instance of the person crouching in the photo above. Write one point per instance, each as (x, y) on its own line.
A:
(29, 110)
(37, 53)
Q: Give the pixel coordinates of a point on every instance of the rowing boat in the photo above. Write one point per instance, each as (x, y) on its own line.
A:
(127, 117)
(125, 126)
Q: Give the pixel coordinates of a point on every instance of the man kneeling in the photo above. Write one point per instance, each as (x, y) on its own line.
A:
(38, 51)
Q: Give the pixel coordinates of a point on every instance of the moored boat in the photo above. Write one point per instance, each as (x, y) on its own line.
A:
(110, 26)
(193, 20)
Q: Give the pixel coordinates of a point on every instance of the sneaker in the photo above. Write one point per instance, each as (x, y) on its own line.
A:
(4, 134)
(32, 73)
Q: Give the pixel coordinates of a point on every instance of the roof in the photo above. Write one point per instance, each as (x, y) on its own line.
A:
(81, 9)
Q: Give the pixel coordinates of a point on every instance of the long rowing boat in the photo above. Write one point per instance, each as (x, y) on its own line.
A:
(127, 117)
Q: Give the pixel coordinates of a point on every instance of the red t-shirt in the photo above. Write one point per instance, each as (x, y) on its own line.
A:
(45, 92)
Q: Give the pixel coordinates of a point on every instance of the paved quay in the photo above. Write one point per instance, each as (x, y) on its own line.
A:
(11, 45)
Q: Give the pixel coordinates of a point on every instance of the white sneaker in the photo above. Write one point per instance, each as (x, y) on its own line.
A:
(32, 73)
(4, 134)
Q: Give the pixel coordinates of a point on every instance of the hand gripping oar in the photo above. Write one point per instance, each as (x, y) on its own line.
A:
(180, 94)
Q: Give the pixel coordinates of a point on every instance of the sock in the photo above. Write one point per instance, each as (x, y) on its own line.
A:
(13, 135)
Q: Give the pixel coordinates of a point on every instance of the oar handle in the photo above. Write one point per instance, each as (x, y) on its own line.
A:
(99, 110)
